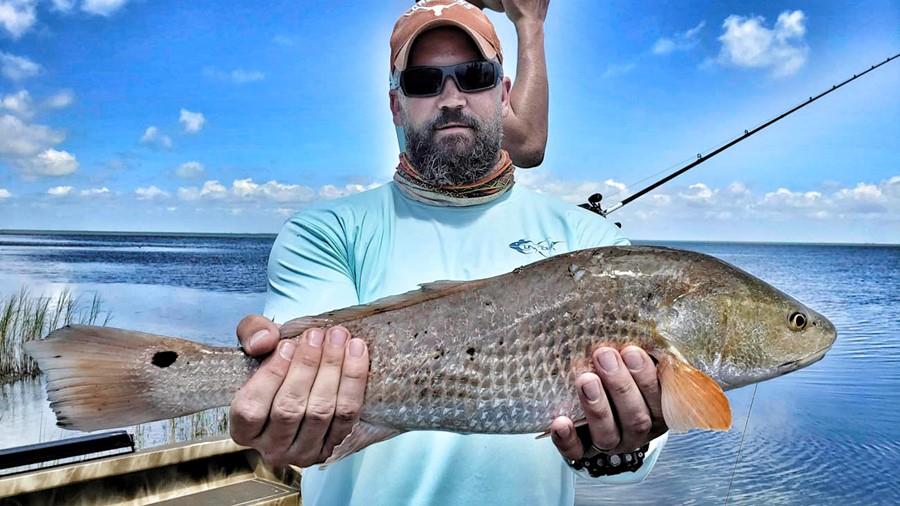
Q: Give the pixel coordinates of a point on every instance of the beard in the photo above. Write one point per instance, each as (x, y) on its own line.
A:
(454, 159)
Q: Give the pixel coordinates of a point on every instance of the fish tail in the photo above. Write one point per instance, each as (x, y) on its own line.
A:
(101, 377)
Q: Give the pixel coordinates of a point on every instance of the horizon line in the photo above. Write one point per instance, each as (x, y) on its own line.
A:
(126, 233)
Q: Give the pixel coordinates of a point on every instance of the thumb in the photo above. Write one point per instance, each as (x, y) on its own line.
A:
(258, 335)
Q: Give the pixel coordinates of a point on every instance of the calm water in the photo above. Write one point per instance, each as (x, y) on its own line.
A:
(826, 435)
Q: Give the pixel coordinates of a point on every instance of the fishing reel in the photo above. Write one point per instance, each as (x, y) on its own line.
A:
(593, 205)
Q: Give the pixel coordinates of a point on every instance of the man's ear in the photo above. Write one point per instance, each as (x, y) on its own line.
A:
(506, 86)
(395, 107)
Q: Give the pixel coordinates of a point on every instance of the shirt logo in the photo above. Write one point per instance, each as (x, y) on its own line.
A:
(527, 247)
(437, 10)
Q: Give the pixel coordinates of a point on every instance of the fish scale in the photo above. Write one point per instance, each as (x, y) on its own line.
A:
(496, 355)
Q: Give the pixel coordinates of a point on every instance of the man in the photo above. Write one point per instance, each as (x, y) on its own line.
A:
(525, 127)
(452, 212)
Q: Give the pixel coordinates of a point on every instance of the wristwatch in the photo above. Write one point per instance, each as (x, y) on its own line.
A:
(597, 462)
(608, 464)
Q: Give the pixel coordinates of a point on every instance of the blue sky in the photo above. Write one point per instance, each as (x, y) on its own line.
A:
(228, 117)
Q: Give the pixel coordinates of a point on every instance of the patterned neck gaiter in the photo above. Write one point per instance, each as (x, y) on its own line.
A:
(494, 184)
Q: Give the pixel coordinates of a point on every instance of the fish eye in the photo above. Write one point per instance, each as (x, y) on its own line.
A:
(797, 321)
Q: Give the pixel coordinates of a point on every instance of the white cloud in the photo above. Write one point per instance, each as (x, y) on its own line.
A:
(576, 192)
(699, 194)
(272, 190)
(60, 99)
(866, 197)
(52, 163)
(784, 198)
(94, 192)
(17, 16)
(333, 192)
(21, 104)
(4, 193)
(18, 103)
(237, 76)
(102, 7)
(192, 121)
(17, 68)
(247, 190)
(681, 41)
(59, 191)
(189, 169)
(63, 5)
(154, 137)
(616, 70)
(747, 43)
(19, 139)
(29, 148)
(210, 190)
(150, 193)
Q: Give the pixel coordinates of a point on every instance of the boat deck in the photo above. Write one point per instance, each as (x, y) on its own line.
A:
(205, 472)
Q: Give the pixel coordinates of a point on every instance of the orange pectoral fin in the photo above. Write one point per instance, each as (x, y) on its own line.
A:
(691, 399)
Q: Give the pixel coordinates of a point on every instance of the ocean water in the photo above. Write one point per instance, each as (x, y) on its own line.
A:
(828, 434)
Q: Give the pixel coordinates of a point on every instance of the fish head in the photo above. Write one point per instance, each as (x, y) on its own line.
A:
(741, 330)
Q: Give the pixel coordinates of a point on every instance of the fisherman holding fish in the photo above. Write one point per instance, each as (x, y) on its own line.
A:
(415, 391)
(452, 212)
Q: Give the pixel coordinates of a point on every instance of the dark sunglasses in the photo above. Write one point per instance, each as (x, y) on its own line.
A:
(469, 77)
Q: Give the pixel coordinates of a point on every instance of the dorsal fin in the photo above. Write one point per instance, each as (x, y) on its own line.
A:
(691, 399)
(425, 292)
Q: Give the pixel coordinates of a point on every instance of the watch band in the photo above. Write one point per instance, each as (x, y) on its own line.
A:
(605, 464)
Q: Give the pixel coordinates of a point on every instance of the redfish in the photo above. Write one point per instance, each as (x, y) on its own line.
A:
(495, 355)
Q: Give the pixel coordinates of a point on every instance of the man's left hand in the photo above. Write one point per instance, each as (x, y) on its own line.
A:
(621, 402)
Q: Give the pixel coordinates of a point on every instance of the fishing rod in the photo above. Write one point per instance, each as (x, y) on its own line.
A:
(593, 203)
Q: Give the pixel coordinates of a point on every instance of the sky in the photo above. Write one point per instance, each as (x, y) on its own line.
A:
(202, 116)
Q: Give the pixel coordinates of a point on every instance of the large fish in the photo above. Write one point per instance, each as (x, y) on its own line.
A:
(495, 355)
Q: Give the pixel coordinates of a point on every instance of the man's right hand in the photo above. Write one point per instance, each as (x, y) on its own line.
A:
(517, 10)
(305, 398)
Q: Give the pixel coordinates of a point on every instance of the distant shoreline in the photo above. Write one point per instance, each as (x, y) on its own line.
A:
(136, 234)
(261, 235)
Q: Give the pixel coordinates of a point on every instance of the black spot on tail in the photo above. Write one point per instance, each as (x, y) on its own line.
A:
(164, 358)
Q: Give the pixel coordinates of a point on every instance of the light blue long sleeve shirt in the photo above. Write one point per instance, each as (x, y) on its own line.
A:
(378, 243)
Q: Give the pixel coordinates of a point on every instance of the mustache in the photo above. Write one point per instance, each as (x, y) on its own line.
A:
(455, 116)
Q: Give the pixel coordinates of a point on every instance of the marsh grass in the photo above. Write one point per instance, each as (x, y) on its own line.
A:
(25, 317)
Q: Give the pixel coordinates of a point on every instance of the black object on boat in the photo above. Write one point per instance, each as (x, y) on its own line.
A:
(66, 448)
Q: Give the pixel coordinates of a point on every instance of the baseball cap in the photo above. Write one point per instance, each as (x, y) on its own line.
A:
(428, 14)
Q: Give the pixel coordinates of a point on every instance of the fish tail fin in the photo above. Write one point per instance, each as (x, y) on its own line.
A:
(691, 399)
(101, 377)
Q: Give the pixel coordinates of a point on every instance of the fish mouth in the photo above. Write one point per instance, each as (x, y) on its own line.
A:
(793, 365)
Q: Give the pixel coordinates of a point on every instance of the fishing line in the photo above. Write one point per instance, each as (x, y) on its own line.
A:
(593, 203)
(741, 447)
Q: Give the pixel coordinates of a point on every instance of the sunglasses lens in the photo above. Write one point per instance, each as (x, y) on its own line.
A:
(421, 81)
(429, 81)
(474, 76)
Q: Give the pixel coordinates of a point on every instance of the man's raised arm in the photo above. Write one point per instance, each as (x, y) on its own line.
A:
(525, 128)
